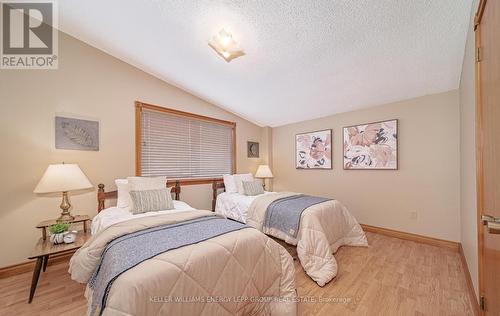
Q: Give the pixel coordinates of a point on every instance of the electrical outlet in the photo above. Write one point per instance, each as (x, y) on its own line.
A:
(413, 215)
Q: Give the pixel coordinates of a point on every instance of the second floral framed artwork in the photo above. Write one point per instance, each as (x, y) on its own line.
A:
(313, 150)
(371, 146)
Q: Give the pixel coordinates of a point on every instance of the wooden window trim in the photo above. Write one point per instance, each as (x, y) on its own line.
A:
(139, 106)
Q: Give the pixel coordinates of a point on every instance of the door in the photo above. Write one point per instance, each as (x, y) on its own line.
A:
(488, 153)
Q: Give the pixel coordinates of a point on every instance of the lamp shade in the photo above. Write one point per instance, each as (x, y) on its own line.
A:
(63, 178)
(264, 172)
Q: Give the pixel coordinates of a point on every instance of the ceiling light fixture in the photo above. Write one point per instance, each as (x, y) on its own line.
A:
(225, 46)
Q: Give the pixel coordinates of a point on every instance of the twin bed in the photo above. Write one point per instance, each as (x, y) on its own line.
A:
(190, 262)
(317, 226)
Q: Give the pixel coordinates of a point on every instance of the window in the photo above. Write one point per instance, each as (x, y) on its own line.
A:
(181, 145)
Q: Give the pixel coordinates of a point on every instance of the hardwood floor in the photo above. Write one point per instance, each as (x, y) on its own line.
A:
(391, 277)
(56, 294)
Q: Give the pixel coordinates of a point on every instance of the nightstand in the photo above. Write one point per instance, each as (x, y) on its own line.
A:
(84, 219)
(45, 248)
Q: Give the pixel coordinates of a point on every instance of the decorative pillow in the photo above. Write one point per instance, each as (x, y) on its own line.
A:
(252, 188)
(146, 183)
(239, 178)
(229, 183)
(151, 200)
(123, 199)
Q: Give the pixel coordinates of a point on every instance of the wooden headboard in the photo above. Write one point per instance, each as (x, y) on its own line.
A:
(103, 196)
(217, 185)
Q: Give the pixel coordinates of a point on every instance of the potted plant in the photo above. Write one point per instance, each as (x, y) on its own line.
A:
(57, 232)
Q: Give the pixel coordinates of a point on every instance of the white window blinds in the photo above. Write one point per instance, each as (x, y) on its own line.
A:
(182, 147)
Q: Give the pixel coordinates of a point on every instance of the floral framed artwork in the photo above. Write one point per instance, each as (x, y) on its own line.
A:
(313, 150)
(372, 146)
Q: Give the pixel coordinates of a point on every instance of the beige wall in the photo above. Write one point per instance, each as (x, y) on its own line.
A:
(88, 84)
(427, 180)
(468, 210)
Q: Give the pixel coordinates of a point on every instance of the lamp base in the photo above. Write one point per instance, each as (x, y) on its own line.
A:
(65, 218)
(65, 205)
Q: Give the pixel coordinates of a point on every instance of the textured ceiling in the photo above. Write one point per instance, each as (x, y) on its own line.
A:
(304, 59)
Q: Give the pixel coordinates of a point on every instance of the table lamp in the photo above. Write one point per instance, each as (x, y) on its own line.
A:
(63, 178)
(264, 172)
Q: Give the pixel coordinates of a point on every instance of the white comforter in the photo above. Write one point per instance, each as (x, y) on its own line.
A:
(114, 215)
(242, 272)
(324, 228)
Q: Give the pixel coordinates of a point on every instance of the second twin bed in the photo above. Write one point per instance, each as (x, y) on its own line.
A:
(317, 226)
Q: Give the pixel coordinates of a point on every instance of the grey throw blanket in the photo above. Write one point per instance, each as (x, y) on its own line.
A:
(284, 214)
(125, 252)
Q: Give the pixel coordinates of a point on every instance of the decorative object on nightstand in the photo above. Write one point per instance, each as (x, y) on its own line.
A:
(63, 178)
(264, 172)
(57, 232)
(70, 237)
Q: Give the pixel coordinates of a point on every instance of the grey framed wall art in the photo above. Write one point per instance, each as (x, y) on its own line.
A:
(76, 134)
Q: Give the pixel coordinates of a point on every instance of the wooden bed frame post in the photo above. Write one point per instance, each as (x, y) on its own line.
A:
(214, 194)
(101, 196)
(216, 185)
(177, 189)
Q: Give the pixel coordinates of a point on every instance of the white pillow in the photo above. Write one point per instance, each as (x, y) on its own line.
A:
(146, 183)
(229, 183)
(124, 198)
(239, 178)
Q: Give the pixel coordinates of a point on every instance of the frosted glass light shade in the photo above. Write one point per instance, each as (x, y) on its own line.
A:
(225, 46)
(264, 172)
(63, 178)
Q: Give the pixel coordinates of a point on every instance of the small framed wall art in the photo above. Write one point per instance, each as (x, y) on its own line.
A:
(252, 149)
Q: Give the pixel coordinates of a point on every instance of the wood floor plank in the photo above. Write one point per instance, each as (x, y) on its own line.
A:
(390, 277)
(393, 277)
